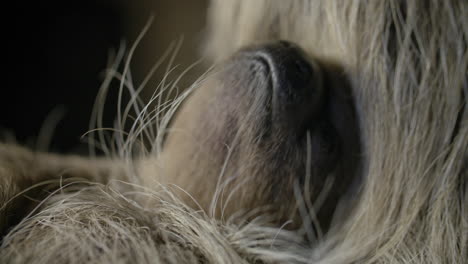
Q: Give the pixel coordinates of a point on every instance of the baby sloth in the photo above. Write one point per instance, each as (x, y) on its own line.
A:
(271, 130)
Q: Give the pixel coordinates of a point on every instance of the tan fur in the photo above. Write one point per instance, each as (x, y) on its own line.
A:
(211, 196)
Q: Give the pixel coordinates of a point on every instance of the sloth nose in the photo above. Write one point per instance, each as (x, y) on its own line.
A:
(296, 83)
(290, 70)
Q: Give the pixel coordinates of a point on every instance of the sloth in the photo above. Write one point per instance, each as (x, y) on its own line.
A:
(326, 132)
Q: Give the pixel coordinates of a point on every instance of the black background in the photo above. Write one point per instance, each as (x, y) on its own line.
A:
(54, 57)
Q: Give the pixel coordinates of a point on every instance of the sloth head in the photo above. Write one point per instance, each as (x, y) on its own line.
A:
(271, 130)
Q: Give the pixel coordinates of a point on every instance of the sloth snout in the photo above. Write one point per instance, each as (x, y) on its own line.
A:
(295, 82)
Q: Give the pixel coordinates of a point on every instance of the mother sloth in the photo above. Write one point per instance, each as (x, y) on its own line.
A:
(346, 143)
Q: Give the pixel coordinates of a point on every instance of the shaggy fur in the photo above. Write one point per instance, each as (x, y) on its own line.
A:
(405, 202)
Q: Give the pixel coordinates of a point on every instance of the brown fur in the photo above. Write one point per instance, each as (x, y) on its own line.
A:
(398, 192)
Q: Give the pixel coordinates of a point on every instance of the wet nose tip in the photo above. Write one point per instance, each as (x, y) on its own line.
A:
(292, 56)
(291, 70)
(288, 64)
(296, 81)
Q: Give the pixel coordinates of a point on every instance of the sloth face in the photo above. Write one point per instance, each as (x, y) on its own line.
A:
(270, 130)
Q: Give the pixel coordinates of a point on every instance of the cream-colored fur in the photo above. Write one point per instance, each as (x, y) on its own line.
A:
(407, 63)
